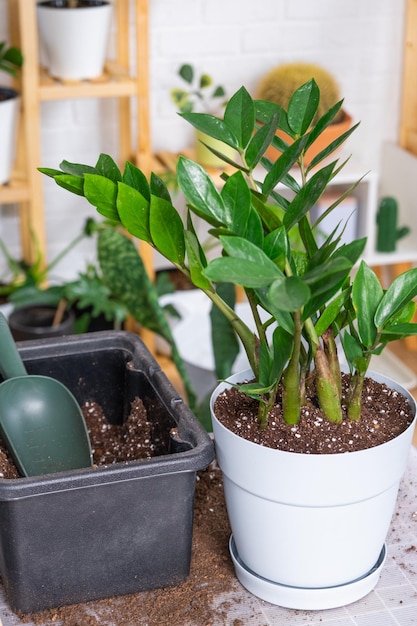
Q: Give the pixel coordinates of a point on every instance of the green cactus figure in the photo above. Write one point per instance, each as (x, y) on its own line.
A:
(388, 232)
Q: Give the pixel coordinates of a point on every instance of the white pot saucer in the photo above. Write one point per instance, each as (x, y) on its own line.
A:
(306, 599)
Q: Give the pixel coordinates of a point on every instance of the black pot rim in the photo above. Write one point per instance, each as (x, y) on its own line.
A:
(62, 4)
(9, 92)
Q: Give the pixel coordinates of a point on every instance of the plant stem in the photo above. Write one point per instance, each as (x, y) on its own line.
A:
(326, 387)
(330, 350)
(355, 392)
(244, 333)
(291, 403)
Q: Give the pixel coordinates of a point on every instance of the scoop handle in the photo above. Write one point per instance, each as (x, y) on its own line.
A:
(11, 364)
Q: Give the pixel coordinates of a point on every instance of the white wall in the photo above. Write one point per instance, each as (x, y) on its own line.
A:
(236, 41)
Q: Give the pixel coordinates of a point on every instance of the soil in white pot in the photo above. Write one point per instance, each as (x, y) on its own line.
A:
(385, 415)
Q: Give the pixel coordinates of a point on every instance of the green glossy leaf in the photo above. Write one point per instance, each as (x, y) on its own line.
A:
(158, 188)
(320, 279)
(325, 121)
(167, 230)
(196, 261)
(212, 126)
(102, 193)
(283, 318)
(289, 294)
(254, 230)
(276, 246)
(307, 236)
(330, 313)
(366, 296)
(237, 201)
(239, 116)
(76, 169)
(303, 107)
(260, 141)
(74, 184)
(352, 250)
(401, 291)
(49, 171)
(241, 271)
(405, 314)
(308, 196)
(107, 167)
(242, 249)
(398, 331)
(135, 178)
(133, 210)
(282, 343)
(353, 352)
(334, 145)
(282, 165)
(270, 214)
(201, 192)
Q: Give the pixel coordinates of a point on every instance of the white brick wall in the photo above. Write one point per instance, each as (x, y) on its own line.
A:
(236, 42)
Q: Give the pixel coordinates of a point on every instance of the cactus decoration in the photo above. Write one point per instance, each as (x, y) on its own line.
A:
(279, 84)
(388, 231)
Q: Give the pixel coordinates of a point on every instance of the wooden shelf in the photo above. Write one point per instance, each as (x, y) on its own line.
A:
(408, 124)
(14, 192)
(37, 86)
(114, 83)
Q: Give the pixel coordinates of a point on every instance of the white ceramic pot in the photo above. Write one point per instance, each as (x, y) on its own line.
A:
(74, 40)
(9, 113)
(309, 530)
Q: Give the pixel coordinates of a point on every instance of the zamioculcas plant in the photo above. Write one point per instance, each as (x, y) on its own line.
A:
(300, 290)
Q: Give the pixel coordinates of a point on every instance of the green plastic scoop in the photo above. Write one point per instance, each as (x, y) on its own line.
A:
(40, 420)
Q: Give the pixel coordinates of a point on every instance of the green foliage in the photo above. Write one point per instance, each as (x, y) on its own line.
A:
(297, 286)
(199, 91)
(11, 59)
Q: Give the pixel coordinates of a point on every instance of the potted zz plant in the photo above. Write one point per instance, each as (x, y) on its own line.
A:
(311, 455)
(11, 61)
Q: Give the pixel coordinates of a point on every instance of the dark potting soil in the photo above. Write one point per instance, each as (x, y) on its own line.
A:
(385, 415)
(110, 443)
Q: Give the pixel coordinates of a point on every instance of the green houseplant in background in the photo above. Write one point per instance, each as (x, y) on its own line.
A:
(201, 94)
(102, 292)
(11, 60)
(307, 303)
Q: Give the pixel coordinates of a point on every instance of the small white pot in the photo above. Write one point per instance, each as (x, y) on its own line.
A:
(9, 113)
(74, 41)
(309, 523)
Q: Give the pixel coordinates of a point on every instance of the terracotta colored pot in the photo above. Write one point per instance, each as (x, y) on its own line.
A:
(331, 133)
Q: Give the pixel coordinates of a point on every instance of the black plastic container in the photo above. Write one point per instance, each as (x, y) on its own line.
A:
(93, 533)
(35, 321)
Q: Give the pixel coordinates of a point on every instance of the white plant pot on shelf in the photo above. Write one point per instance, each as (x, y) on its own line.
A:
(74, 40)
(9, 113)
(308, 530)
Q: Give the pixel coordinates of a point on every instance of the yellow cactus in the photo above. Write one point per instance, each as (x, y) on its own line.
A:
(280, 83)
